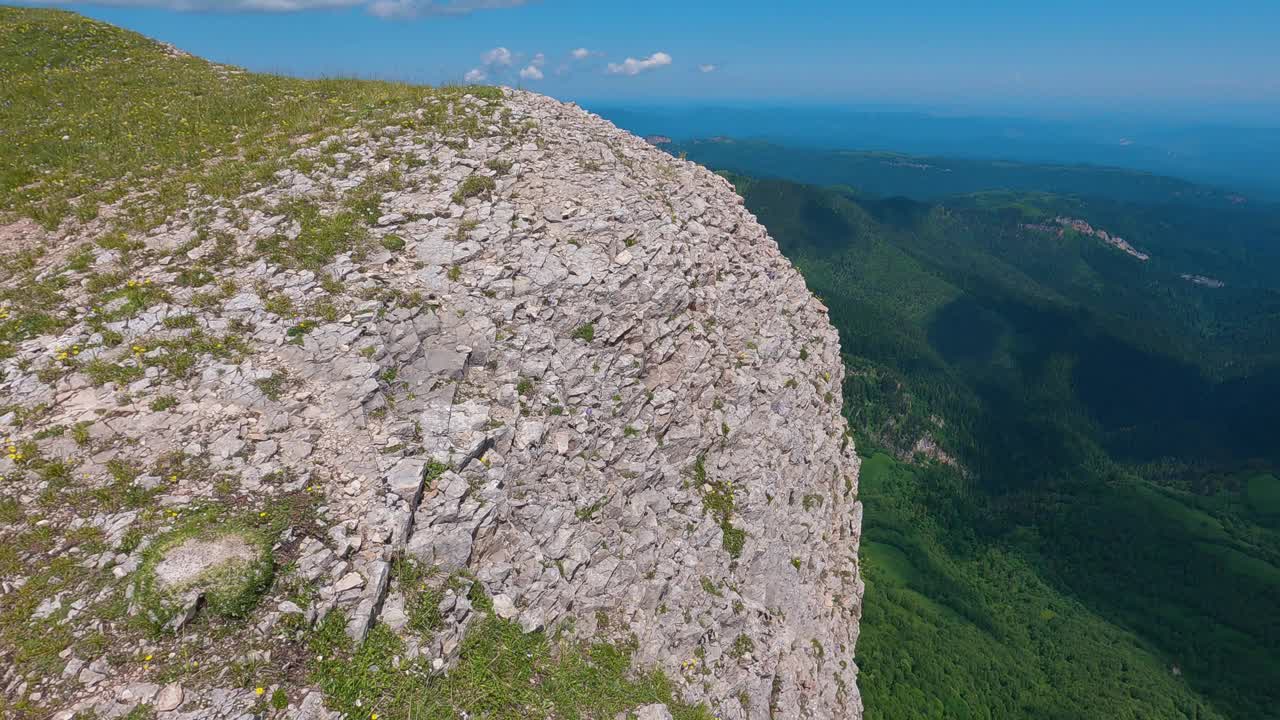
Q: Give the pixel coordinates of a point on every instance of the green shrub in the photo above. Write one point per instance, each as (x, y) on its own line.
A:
(164, 402)
(473, 186)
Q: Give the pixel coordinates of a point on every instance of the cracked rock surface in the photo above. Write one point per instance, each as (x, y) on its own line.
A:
(590, 382)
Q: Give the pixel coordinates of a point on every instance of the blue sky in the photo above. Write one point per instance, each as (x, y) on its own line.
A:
(1212, 56)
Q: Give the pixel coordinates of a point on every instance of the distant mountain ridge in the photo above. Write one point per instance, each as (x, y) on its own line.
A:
(1243, 157)
(926, 177)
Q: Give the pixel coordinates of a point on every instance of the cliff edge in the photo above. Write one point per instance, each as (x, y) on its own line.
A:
(483, 373)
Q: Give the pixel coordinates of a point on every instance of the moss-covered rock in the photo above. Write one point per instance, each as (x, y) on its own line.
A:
(222, 568)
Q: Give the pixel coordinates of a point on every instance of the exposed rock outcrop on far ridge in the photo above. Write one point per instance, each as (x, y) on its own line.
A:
(568, 366)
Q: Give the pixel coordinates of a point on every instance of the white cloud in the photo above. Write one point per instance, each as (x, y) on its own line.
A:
(708, 68)
(581, 54)
(498, 56)
(500, 61)
(418, 8)
(381, 8)
(632, 66)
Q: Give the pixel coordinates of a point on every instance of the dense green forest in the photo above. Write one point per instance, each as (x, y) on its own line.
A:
(1097, 535)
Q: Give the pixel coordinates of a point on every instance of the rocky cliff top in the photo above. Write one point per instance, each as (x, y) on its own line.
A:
(531, 395)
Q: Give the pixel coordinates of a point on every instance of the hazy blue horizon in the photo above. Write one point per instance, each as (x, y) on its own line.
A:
(1173, 87)
(1232, 157)
(1173, 59)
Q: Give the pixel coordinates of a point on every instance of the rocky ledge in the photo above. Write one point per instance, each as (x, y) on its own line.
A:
(565, 374)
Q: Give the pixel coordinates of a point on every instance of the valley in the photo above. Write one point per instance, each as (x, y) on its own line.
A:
(634, 369)
(1068, 447)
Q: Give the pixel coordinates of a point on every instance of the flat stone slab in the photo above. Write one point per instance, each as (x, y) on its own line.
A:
(195, 557)
(405, 480)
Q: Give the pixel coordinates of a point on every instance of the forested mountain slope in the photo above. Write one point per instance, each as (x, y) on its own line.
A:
(929, 177)
(1070, 471)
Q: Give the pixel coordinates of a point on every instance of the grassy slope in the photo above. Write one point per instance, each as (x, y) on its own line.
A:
(1055, 582)
(89, 113)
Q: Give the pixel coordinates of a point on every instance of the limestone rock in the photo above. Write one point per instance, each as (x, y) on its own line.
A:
(170, 698)
(655, 711)
(596, 389)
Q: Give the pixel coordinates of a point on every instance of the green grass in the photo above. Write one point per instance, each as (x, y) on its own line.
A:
(718, 500)
(503, 673)
(322, 237)
(393, 242)
(32, 648)
(102, 372)
(423, 592)
(473, 186)
(585, 332)
(10, 510)
(162, 403)
(29, 307)
(93, 115)
(89, 112)
(275, 385)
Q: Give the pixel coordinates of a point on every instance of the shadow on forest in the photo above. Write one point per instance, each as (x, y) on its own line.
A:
(956, 326)
(1143, 405)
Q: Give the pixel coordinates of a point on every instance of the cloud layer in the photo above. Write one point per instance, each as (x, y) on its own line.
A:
(632, 66)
